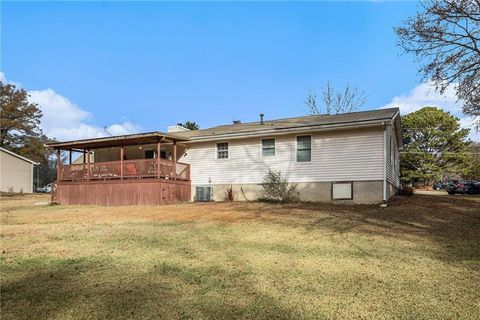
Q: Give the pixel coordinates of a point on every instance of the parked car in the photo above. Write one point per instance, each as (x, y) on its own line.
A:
(45, 189)
(441, 185)
(471, 188)
(464, 187)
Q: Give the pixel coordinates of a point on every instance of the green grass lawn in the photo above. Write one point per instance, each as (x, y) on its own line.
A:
(419, 258)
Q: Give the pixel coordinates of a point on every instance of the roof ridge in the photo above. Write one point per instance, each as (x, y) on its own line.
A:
(298, 117)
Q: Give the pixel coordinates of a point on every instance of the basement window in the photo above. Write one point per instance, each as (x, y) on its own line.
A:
(342, 191)
(222, 150)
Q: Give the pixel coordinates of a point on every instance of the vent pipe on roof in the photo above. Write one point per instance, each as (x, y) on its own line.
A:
(261, 118)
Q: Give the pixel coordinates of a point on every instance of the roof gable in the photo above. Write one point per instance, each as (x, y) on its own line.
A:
(18, 156)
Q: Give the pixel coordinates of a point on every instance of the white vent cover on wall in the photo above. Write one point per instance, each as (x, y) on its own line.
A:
(342, 191)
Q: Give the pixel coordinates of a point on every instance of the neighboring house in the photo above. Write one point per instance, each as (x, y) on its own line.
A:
(351, 157)
(16, 172)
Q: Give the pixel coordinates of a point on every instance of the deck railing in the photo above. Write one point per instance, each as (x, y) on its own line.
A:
(131, 169)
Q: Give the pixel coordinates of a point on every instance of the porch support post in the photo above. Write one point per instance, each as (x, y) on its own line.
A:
(158, 159)
(175, 158)
(122, 152)
(84, 161)
(88, 164)
(59, 165)
(70, 156)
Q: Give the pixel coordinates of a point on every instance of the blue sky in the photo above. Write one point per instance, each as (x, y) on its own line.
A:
(143, 66)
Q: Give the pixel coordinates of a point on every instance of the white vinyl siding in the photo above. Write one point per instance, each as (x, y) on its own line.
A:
(392, 158)
(16, 175)
(268, 147)
(347, 155)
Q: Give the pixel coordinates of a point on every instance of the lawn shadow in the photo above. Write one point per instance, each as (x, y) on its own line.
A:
(449, 221)
(99, 289)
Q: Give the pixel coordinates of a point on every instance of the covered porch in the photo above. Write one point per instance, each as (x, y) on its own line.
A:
(122, 170)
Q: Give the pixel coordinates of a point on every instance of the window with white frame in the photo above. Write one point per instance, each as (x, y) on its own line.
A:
(304, 148)
(222, 150)
(268, 147)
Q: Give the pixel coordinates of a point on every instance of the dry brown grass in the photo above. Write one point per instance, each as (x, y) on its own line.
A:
(417, 258)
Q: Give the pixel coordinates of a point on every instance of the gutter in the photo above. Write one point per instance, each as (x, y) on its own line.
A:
(281, 131)
(384, 162)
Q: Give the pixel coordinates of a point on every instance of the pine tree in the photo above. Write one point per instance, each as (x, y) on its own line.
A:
(434, 145)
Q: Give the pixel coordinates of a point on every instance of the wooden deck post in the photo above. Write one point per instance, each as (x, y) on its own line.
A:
(59, 165)
(158, 160)
(175, 158)
(88, 164)
(122, 152)
(84, 161)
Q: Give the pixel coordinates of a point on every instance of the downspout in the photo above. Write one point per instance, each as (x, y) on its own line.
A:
(384, 162)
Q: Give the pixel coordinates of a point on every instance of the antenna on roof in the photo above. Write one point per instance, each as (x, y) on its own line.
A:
(105, 129)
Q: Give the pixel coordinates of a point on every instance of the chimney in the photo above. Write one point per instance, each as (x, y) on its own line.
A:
(261, 118)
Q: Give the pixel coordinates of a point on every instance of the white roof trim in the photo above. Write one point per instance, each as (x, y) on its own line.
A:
(19, 156)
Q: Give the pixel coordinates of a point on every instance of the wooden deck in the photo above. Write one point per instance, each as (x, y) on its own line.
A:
(131, 169)
(128, 192)
(118, 183)
(144, 181)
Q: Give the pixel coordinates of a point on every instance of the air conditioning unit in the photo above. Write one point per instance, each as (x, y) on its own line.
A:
(204, 193)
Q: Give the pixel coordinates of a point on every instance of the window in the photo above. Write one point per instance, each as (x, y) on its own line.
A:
(304, 149)
(150, 154)
(222, 150)
(268, 147)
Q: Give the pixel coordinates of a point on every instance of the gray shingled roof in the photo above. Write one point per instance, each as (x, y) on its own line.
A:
(296, 122)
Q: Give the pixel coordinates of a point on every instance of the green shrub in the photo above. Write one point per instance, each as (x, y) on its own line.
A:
(277, 188)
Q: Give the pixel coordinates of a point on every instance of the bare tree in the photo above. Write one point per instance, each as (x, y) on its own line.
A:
(335, 102)
(311, 102)
(445, 37)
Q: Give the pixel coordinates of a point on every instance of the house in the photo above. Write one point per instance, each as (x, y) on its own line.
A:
(16, 172)
(352, 157)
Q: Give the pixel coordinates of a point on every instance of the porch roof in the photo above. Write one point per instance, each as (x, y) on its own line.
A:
(118, 141)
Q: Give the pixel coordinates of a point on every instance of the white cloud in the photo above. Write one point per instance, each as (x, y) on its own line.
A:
(425, 95)
(4, 79)
(64, 120)
(57, 110)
